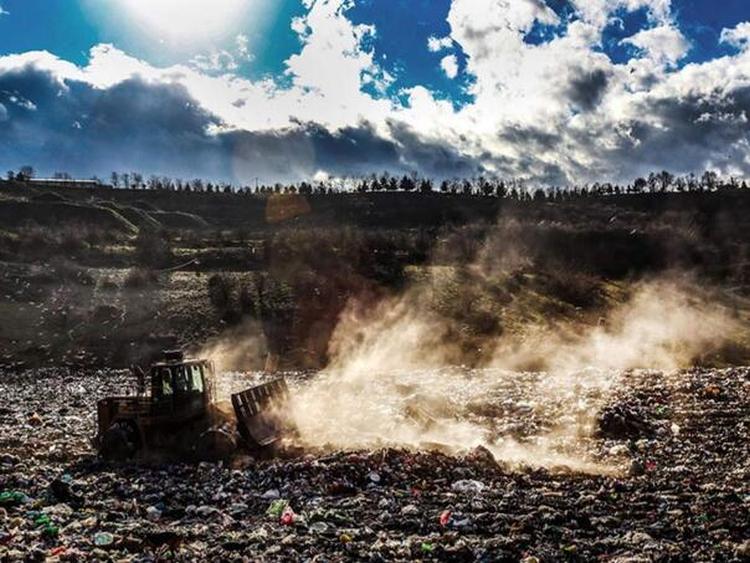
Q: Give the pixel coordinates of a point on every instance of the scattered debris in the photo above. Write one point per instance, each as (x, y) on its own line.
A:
(690, 501)
(623, 421)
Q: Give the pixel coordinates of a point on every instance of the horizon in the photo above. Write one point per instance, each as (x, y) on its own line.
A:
(654, 182)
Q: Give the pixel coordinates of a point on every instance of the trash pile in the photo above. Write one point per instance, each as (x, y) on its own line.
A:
(681, 491)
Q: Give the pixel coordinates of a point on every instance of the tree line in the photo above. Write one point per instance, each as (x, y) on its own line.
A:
(655, 182)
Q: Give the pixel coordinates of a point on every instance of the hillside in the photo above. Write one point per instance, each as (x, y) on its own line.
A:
(109, 275)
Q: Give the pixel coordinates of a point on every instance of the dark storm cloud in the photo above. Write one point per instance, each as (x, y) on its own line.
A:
(535, 148)
(81, 129)
(531, 137)
(587, 88)
(687, 134)
(299, 151)
(430, 157)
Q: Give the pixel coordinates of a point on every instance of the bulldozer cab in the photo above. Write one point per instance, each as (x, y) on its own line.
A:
(182, 388)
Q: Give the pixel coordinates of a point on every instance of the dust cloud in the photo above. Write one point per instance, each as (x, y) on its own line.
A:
(235, 350)
(387, 383)
(400, 375)
(666, 325)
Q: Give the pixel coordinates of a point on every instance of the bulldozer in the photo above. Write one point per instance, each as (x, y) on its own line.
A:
(175, 413)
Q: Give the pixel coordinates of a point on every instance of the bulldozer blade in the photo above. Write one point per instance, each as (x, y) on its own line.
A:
(260, 413)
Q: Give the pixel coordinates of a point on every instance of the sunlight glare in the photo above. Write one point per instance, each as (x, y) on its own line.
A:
(179, 20)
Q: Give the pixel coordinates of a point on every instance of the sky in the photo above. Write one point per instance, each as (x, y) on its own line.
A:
(553, 92)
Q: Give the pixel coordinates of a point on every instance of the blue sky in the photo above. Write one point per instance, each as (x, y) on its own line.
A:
(442, 86)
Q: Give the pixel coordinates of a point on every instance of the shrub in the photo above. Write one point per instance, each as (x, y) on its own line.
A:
(72, 242)
(106, 313)
(247, 301)
(66, 272)
(153, 249)
(576, 288)
(138, 278)
(107, 284)
(220, 290)
(223, 295)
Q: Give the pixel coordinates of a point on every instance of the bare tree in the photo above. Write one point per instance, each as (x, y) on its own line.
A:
(26, 173)
(665, 180)
(709, 180)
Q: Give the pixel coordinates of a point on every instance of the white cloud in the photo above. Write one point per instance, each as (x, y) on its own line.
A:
(599, 12)
(299, 26)
(217, 61)
(332, 66)
(449, 65)
(437, 44)
(538, 108)
(44, 60)
(109, 66)
(664, 44)
(243, 49)
(508, 70)
(4, 12)
(738, 36)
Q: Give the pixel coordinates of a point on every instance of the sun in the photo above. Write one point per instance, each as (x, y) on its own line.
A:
(187, 20)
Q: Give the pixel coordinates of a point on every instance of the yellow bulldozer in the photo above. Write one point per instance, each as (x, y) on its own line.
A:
(175, 413)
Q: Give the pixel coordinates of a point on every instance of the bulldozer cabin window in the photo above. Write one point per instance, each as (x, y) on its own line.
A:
(178, 379)
(197, 379)
(165, 379)
(181, 380)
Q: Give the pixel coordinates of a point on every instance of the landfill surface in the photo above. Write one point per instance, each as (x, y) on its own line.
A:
(677, 487)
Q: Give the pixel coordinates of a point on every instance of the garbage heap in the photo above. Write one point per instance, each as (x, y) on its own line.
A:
(682, 491)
